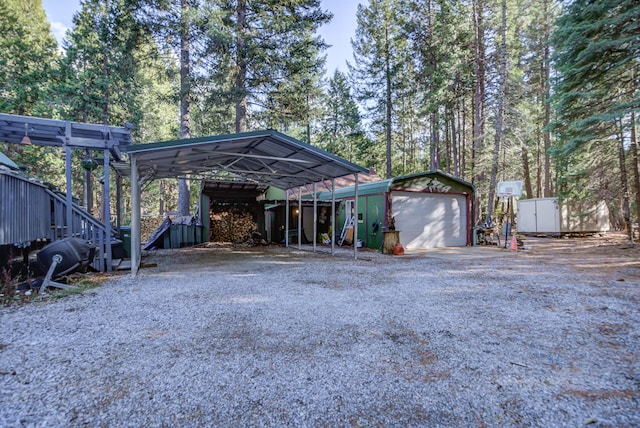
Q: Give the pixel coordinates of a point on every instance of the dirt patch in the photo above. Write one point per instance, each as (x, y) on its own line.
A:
(597, 253)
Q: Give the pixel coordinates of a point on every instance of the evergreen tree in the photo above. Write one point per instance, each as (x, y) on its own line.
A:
(178, 27)
(158, 102)
(479, 86)
(99, 68)
(529, 92)
(441, 38)
(341, 130)
(27, 65)
(265, 59)
(596, 56)
(27, 57)
(596, 92)
(155, 69)
(499, 118)
(379, 57)
(184, 29)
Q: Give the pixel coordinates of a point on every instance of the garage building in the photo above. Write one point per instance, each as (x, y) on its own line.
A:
(429, 209)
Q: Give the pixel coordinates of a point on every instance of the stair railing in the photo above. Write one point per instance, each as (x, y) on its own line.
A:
(85, 226)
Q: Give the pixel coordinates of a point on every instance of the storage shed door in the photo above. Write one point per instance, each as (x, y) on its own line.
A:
(427, 220)
(527, 222)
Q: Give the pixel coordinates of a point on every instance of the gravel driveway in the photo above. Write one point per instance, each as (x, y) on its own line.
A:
(275, 337)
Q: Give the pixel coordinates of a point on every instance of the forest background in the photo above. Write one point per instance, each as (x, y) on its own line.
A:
(541, 91)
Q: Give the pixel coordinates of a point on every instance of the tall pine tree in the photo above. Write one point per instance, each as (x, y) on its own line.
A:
(596, 92)
(265, 59)
(340, 126)
(99, 69)
(379, 50)
(28, 58)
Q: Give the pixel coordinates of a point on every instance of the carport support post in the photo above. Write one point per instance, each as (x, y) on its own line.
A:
(315, 217)
(299, 218)
(286, 219)
(355, 220)
(333, 215)
(135, 217)
(119, 203)
(69, 200)
(106, 204)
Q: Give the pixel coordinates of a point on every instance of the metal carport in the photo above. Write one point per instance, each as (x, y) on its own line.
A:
(268, 157)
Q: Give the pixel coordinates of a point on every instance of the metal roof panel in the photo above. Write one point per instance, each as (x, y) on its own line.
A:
(262, 156)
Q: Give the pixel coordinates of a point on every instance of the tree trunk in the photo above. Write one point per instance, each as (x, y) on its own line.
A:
(502, 76)
(479, 89)
(462, 126)
(403, 136)
(162, 198)
(454, 145)
(634, 166)
(241, 62)
(105, 121)
(477, 133)
(548, 187)
(447, 142)
(434, 158)
(388, 103)
(88, 187)
(107, 89)
(626, 209)
(526, 171)
(538, 165)
(185, 100)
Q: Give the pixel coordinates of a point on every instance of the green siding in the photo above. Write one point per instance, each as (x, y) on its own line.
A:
(374, 214)
(372, 209)
(372, 200)
(349, 192)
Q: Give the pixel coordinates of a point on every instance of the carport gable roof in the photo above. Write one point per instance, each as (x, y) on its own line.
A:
(262, 156)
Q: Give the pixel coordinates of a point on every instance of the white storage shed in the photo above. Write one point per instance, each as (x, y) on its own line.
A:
(548, 216)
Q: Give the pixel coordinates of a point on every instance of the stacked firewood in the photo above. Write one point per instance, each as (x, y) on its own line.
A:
(148, 225)
(231, 225)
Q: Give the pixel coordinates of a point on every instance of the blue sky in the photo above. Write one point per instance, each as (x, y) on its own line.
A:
(338, 33)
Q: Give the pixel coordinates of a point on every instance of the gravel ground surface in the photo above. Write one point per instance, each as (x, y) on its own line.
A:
(221, 336)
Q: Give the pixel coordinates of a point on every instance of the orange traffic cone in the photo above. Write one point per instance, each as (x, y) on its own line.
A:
(514, 244)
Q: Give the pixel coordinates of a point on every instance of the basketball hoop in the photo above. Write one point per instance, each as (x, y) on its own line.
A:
(509, 188)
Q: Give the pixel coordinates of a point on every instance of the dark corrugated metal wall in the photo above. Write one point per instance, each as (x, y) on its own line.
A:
(25, 210)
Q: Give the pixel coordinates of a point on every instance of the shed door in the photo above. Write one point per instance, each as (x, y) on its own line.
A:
(527, 216)
(547, 216)
(539, 215)
(427, 220)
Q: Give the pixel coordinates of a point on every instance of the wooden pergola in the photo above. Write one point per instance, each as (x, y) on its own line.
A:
(110, 140)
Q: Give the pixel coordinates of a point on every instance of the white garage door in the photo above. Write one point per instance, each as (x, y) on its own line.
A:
(427, 220)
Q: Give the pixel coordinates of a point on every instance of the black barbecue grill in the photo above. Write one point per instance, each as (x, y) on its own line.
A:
(64, 257)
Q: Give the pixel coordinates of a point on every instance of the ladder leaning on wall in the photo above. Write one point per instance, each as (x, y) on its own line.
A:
(349, 222)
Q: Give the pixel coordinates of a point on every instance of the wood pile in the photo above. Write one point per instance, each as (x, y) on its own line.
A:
(148, 225)
(231, 225)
